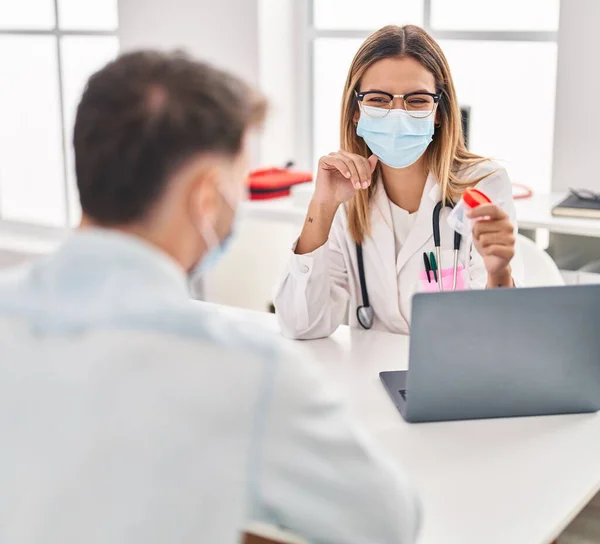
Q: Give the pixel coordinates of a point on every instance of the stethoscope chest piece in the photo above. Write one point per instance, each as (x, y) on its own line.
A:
(365, 316)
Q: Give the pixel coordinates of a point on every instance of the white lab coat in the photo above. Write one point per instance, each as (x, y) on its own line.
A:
(320, 290)
(130, 414)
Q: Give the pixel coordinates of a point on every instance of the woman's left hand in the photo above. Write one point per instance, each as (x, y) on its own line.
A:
(494, 239)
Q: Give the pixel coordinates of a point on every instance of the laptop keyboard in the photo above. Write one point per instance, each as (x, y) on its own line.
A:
(402, 393)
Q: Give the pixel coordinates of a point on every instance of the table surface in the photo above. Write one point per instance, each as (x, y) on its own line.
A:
(532, 213)
(536, 213)
(517, 481)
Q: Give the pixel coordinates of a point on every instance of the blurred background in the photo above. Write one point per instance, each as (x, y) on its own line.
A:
(525, 71)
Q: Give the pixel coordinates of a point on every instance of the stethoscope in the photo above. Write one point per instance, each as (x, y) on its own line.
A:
(365, 313)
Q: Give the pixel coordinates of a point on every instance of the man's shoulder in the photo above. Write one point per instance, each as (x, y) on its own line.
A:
(187, 320)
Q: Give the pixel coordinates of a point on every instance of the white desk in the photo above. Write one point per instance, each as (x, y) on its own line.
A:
(536, 213)
(508, 481)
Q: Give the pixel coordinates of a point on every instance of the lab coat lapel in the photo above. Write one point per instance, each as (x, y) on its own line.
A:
(423, 228)
(382, 242)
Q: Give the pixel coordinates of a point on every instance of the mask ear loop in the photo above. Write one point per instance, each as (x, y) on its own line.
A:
(210, 237)
(228, 200)
(211, 241)
(209, 234)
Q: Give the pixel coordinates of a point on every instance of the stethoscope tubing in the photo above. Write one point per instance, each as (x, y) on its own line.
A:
(364, 312)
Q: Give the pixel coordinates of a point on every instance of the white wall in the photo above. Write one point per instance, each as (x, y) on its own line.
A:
(577, 123)
(283, 67)
(223, 32)
(275, 22)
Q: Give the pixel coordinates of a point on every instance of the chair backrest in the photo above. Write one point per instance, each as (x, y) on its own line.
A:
(540, 270)
(593, 267)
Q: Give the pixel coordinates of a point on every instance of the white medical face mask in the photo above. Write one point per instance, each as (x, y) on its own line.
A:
(397, 139)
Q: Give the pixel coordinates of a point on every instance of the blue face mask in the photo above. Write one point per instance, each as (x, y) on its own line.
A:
(397, 139)
(216, 248)
(212, 257)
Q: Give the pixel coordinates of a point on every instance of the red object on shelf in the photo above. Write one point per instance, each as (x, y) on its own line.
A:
(269, 183)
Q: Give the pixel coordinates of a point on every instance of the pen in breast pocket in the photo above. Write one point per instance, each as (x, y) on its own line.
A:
(427, 266)
(434, 266)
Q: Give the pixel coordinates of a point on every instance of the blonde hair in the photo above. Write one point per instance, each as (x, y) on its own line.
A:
(446, 156)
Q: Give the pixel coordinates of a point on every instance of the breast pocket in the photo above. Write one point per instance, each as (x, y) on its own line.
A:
(428, 283)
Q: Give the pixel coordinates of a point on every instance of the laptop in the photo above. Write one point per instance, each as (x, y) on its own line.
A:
(501, 353)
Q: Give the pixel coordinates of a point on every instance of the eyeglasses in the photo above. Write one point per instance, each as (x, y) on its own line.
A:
(419, 105)
(585, 194)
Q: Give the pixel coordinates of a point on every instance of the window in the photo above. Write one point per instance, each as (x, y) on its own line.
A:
(494, 55)
(48, 49)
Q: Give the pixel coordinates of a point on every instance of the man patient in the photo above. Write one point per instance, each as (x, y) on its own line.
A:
(130, 413)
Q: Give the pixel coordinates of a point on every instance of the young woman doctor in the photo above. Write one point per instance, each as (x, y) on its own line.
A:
(402, 153)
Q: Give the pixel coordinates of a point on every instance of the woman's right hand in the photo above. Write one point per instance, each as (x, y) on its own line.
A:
(340, 175)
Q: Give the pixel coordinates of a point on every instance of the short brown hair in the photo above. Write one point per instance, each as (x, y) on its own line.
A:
(145, 114)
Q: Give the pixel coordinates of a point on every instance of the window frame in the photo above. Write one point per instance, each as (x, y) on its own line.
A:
(309, 34)
(58, 34)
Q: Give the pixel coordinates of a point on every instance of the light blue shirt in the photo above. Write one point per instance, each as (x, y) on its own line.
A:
(129, 413)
